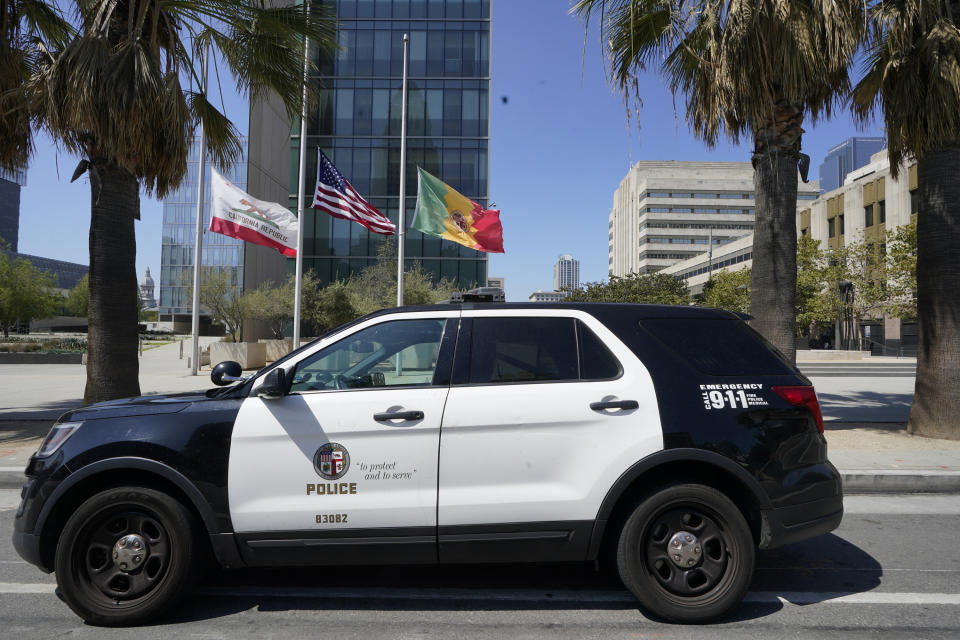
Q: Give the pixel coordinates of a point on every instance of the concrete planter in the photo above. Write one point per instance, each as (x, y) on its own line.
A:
(250, 355)
(276, 349)
(37, 357)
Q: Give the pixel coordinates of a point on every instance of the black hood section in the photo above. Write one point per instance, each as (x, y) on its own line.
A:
(141, 405)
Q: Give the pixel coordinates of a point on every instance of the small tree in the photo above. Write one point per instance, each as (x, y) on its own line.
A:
(814, 303)
(650, 288)
(864, 267)
(78, 299)
(375, 287)
(902, 271)
(26, 293)
(728, 290)
(221, 298)
(272, 304)
(330, 306)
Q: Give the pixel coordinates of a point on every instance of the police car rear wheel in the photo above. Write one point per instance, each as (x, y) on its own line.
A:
(125, 556)
(686, 553)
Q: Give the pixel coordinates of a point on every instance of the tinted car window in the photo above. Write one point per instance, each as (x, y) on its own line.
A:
(398, 353)
(718, 346)
(596, 361)
(523, 349)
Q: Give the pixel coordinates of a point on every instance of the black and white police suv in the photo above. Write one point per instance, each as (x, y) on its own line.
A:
(674, 440)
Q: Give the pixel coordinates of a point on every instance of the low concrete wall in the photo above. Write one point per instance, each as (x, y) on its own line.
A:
(829, 354)
(250, 355)
(276, 349)
(41, 358)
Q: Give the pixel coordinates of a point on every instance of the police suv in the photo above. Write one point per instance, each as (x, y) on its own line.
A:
(673, 440)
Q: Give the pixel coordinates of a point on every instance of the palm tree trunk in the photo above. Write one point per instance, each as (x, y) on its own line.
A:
(112, 365)
(936, 401)
(773, 280)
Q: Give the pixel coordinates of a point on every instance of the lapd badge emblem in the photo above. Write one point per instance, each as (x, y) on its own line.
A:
(331, 461)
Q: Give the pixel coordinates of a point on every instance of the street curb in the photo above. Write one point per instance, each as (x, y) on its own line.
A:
(854, 482)
(900, 481)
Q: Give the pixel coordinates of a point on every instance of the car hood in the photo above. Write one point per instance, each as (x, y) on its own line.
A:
(138, 406)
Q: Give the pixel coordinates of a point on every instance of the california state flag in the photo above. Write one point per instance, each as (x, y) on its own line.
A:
(237, 214)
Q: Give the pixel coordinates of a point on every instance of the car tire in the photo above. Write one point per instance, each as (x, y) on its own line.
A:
(126, 556)
(686, 553)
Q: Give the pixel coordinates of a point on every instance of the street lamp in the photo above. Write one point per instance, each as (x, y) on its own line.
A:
(845, 321)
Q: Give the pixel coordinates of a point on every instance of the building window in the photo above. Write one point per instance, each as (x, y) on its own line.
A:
(806, 196)
(704, 195)
(868, 215)
(831, 228)
(679, 195)
(657, 210)
(679, 210)
(658, 194)
(914, 201)
(882, 211)
(841, 224)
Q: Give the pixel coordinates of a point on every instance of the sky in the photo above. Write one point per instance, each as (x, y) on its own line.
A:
(560, 143)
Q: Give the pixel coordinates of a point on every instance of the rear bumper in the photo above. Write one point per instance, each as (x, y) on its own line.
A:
(787, 525)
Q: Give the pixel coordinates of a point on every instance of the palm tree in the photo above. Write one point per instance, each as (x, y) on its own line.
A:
(913, 78)
(744, 67)
(126, 95)
(29, 30)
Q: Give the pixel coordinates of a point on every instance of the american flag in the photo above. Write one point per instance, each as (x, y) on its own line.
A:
(337, 197)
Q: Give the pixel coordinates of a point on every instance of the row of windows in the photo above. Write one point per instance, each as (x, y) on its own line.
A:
(451, 52)
(415, 9)
(377, 112)
(699, 210)
(661, 255)
(684, 240)
(692, 225)
(464, 273)
(375, 172)
(716, 265)
(835, 226)
(738, 195)
(213, 255)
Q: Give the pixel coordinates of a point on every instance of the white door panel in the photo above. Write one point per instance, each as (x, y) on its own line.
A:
(392, 476)
(537, 451)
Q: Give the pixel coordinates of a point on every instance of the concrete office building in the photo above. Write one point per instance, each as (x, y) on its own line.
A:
(547, 296)
(178, 239)
(732, 256)
(868, 204)
(566, 273)
(357, 123)
(665, 212)
(849, 155)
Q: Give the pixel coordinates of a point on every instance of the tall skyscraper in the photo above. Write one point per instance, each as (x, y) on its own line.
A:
(178, 238)
(357, 124)
(10, 183)
(850, 154)
(566, 273)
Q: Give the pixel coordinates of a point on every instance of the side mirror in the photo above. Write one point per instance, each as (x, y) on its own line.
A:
(274, 384)
(227, 372)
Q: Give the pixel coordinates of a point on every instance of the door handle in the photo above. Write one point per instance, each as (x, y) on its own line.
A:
(615, 404)
(398, 415)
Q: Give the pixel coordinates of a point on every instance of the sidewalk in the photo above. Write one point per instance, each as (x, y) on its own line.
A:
(866, 431)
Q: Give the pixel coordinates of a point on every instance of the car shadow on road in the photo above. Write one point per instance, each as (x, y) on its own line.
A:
(818, 568)
(866, 406)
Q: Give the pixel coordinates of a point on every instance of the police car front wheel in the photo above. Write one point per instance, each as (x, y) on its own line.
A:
(125, 556)
(686, 553)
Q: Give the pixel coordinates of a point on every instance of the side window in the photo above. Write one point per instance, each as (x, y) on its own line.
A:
(596, 361)
(396, 353)
(523, 349)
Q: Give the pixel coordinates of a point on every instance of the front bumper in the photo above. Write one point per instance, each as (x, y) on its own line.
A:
(27, 546)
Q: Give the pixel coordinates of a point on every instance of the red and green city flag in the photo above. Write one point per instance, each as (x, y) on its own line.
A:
(444, 213)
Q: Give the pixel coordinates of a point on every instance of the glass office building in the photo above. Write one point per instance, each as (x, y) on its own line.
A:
(357, 124)
(849, 155)
(176, 255)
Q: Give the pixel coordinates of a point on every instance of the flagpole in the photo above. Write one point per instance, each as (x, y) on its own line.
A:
(198, 241)
(301, 186)
(401, 227)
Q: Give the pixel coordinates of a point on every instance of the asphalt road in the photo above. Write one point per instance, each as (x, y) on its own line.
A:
(889, 571)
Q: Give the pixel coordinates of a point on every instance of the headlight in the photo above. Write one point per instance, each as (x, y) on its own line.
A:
(57, 436)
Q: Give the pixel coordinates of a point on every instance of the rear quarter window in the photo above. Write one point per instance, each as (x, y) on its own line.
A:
(718, 346)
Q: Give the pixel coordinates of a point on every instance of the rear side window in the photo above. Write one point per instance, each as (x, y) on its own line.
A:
(596, 361)
(523, 350)
(718, 346)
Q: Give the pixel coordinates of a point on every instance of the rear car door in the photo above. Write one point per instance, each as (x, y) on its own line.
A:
(546, 410)
(344, 468)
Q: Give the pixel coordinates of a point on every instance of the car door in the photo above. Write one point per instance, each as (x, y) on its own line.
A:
(546, 410)
(343, 469)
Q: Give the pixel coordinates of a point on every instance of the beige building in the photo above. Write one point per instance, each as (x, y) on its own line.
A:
(666, 212)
